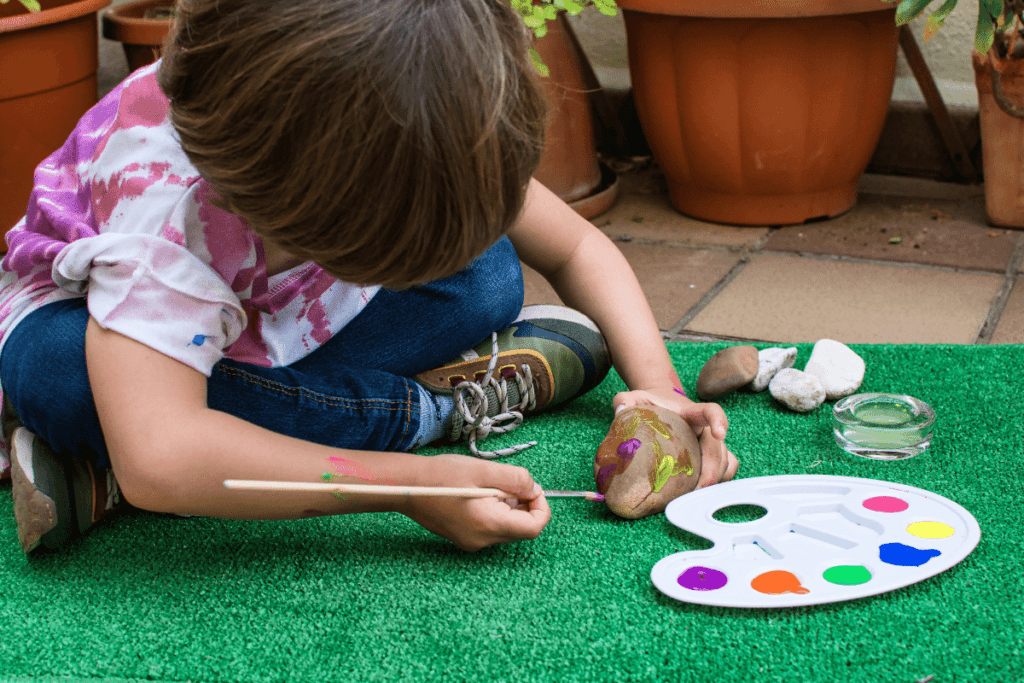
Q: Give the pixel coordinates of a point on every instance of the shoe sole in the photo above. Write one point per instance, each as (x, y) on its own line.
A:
(34, 512)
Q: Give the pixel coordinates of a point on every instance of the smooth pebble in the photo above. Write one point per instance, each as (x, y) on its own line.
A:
(727, 371)
(797, 390)
(769, 362)
(839, 369)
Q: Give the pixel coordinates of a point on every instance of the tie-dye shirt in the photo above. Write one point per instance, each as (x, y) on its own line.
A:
(119, 216)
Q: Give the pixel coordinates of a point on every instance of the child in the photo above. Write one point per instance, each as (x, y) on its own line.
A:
(259, 258)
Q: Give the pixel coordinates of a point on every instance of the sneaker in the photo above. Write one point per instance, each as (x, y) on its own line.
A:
(56, 499)
(547, 357)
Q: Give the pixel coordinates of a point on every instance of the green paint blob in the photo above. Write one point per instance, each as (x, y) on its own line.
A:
(847, 575)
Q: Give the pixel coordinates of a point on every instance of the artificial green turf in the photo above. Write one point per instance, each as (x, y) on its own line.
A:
(375, 597)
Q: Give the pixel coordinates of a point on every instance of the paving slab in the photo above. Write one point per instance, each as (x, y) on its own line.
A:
(1010, 329)
(674, 279)
(783, 298)
(927, 229)
(642, 212)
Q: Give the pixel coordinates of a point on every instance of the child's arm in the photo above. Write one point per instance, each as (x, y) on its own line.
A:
(171, 453)
(591, 275)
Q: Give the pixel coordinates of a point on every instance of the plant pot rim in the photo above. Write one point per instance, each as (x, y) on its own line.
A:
(52, 15)
(119, 26)
(755, 9)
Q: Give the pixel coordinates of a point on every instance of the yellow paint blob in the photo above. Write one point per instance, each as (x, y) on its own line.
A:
(930, 530)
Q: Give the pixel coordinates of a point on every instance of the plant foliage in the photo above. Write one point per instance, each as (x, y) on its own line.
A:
(30, 5)
(537, 13)
(993, 17)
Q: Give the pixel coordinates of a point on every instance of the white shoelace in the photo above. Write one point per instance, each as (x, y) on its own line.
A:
(477, 425)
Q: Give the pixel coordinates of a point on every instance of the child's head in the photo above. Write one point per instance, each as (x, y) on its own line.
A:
(390, 141)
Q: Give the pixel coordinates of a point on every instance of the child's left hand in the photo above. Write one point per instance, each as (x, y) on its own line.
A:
(707, 420)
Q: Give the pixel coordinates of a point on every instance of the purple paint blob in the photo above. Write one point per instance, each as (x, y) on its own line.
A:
(702, 579)
(627, 449)
(679, 391)
(905, 555)
(886, 504)
(603, 475)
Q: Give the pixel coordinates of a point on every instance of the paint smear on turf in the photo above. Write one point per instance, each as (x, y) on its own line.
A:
(777, 583)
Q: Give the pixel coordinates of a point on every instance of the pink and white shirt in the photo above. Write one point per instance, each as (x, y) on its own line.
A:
(120, 216)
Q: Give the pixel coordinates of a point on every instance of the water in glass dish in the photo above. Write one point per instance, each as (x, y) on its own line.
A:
(883, 426)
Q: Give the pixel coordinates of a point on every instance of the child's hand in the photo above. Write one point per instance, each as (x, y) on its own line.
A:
(707, 420)
(475, 523)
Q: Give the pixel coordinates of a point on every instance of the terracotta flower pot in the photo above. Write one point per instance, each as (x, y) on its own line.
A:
(140, 33)
(569, 166)
(762, 113)
(48, 81)
(1002, 138)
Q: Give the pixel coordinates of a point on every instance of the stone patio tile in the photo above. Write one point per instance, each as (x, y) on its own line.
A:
(785, 298)
(674, 279)
(1010, 329)
(643, 212)
(906, 229)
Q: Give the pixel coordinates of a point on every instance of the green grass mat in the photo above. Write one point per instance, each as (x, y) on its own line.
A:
(375, 597)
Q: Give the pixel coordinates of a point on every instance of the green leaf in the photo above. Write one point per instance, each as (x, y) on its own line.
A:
(606, 7)
(909, 9)
(538, 63)
(985, 35)
(32, 5)
(572, 7)
(937, 17)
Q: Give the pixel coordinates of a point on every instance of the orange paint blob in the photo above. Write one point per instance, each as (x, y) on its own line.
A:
(777, 583)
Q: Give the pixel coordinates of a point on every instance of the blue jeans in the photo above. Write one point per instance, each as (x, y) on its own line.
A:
(352, 392)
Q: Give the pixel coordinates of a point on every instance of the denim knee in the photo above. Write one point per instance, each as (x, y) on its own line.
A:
(44, 376)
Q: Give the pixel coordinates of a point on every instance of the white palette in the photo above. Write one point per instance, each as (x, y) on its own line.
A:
(823, 539)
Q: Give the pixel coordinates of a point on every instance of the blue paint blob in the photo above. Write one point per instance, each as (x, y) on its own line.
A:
(199, 339)
(905, 555)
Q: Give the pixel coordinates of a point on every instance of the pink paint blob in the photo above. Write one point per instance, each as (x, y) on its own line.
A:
(886, 504)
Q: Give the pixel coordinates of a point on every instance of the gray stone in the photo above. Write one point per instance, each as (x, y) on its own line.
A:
(727, 371)
(769, 362)
(797, 390)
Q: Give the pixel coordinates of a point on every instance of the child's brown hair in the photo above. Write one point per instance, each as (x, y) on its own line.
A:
(390, 141)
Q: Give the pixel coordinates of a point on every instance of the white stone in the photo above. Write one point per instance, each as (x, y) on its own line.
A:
(769, 362)
(839, 369)
(797, 390)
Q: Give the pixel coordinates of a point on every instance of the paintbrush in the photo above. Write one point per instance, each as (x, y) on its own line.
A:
(255, 485)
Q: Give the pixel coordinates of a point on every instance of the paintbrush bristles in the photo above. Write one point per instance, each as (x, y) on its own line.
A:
(364, 489)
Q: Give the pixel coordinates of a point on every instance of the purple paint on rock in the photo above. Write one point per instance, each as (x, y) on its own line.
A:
(702, 579)
(627, 449)
(603, 475)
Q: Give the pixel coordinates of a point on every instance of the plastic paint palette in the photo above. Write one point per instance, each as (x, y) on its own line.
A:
(823, 539)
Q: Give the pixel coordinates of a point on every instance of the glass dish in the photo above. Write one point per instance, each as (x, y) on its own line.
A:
(883, 426)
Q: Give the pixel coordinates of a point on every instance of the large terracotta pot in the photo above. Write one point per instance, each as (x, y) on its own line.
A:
(569, 166)
(48, 65)
(1002, 138)
(762, 113)
(140, 34)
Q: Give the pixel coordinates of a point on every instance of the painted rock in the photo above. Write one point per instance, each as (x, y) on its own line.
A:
(797, 390)
(727, 371)
(649, 458)
(839, 369)
(769, 362)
